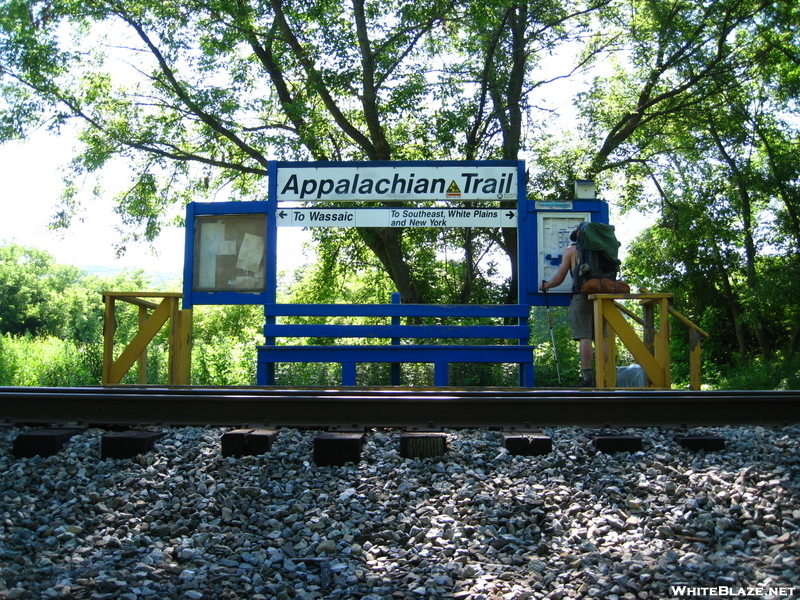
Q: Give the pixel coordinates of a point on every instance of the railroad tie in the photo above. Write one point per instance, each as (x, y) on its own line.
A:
(248, 442)
(336, 448)
(127, 444)
(528, 444)
(422, 444)
(608, 444)
(43, 442)
(709, 443)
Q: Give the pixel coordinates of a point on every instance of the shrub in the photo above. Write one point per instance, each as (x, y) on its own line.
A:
(48, 362)
(780, 373)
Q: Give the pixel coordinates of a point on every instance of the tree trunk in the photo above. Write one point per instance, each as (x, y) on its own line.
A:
(733, 306)
(469, 267)
(386, 243)
(749, 244)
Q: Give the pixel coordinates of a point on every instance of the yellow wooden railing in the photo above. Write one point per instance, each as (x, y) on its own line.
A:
(179, 338)
(651, 352)
(696, 336)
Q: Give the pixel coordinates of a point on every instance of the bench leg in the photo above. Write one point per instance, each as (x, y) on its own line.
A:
(265, 373)
(348, 373)
(441, 374)
(526, 374)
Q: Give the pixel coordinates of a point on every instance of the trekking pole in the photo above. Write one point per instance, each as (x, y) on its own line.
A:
(552, 335)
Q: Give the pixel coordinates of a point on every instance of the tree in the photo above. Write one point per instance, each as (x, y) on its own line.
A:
(695, 115)
(42, 298)
(215, 88)
(36, 292)
(680, 56)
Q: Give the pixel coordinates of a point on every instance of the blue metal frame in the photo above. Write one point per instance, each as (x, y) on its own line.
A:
(440, 356)
(396, 352)
(198, 209)
(598, 210)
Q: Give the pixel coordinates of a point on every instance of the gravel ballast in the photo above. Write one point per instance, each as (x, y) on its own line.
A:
(183, 522)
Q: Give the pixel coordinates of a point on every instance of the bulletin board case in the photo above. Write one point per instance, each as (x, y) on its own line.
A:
(547, 228)
(226, 253)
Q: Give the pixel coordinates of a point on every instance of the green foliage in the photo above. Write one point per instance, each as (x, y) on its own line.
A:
(411, 375)
(225, 343)
(308, 374)
(566, 349)
(779, 373)
(51, 321)
(36, 292)
(9, 361)
(48, 362)
(41, 298)
(484, 375)
(224, 363)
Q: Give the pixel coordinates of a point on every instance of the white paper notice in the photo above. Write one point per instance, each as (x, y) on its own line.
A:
(226, 247)
(251, 253)
(244, 283)
(211, 234)
(554, 231)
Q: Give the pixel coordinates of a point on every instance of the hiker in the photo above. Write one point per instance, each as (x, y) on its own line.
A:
(581, 310)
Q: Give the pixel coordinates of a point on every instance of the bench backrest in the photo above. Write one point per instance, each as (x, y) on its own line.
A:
(396, 330)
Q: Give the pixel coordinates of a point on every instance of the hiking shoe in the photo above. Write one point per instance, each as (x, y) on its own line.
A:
(583, 382)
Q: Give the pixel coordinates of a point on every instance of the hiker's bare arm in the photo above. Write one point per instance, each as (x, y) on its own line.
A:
(566, 264)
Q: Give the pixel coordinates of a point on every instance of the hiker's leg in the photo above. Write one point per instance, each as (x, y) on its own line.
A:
(586, 351)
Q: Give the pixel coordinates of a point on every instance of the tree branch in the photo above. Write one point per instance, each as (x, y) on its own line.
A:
(184, 96)
(369, 99)
(319, 86)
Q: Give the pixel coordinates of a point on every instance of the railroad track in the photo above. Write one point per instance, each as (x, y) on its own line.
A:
(409, 408)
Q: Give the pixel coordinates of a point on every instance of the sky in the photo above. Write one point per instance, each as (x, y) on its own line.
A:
(31, 181)
(31, 174)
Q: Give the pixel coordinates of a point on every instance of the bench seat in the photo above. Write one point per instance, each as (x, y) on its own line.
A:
(440, 355)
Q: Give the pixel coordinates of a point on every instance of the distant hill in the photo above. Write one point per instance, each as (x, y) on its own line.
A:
(158, 278)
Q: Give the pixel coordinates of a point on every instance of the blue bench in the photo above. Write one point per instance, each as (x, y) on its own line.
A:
(396, 352)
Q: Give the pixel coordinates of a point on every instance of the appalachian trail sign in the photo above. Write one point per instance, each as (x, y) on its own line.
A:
(232, 254)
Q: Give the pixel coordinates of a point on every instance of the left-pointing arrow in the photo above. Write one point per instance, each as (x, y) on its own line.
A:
(282, 214)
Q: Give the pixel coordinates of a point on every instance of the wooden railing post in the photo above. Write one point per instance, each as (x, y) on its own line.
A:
(696, 336)
(652, 351)
(179, 338)
(109, 328)
(184, 374)
(143, 355)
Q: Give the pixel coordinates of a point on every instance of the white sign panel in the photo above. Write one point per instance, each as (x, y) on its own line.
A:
(553, 233)
(403, 182)
(396, 217)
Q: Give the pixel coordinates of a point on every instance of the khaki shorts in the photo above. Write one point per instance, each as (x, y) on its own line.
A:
(581, 317)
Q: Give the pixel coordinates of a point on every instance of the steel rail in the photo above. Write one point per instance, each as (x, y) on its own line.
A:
(415, 408)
